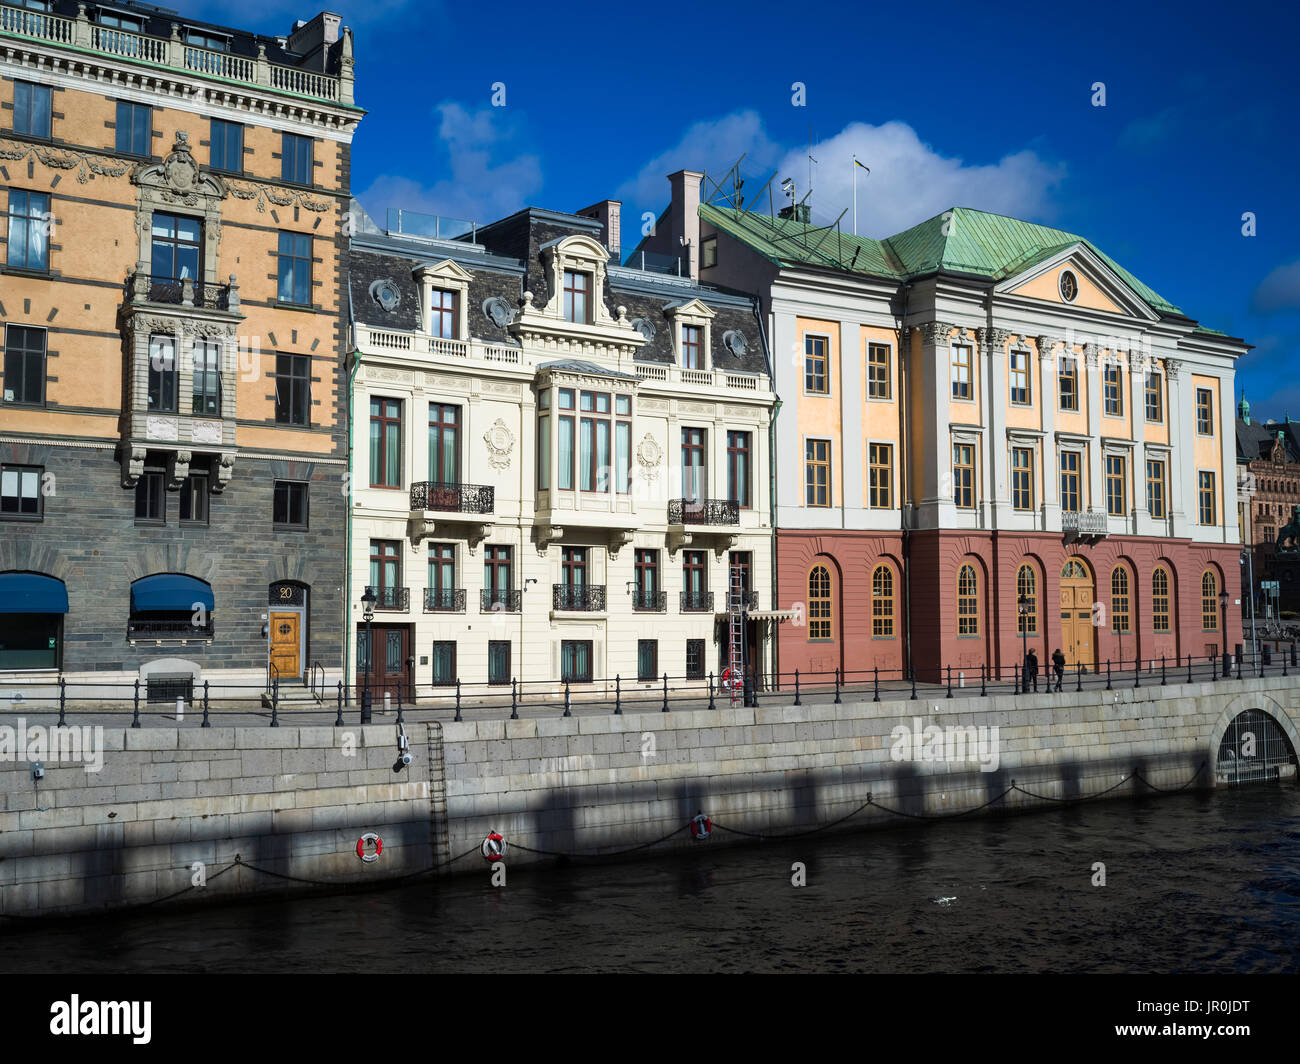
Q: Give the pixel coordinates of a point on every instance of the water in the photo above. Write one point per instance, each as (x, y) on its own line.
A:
(1204, 882)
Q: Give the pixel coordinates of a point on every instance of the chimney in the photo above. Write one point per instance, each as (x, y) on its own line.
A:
(684, 218)
(607, 212)
(309, 37)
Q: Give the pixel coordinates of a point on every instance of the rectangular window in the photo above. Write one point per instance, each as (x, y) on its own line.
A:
(24, 365)
(206, 398)
(577, 297)
(646, 595)
(29, 230)
(593, 459)
(543, 452)
(880, 475)
(695, 580)
(227, 146)
(1021, 389)
(150, 498)
(695, 659)
(442, 315)
(1022, 478)
(1154, 398)
(498, 577)
(575, 660)
(498, 661)
(1070, 482)
(441, 593)
(692, 357)
(33, 107)
(1206, 504)
(963, 476)
(961, 372)
(295, 269)
(738, 468)
(163, 374)
(647, 659)
(176, 244)
(385, 443)
(1204, 412)
(293, 389)
(1067, 379)
(443, 661)
(816, 377)
(1116, 494)
(817, 472)
(386, 572)
(694, 480)
(295, 159)
(1113, 394)
(879, 384)
(564, 454)
(133, 128)
(444, 444)
(1156, 488)
(194, 499)
(623, 457)
(573, 565)
(289, 509)
(1160, 600)
(20, 492)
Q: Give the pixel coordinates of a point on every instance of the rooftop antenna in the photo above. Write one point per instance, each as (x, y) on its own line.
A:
(856, 164)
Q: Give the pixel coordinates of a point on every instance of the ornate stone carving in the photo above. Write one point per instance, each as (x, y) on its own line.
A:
(1045, 344)
(618, 539)
(132, 459)
(1090, 355)
(280, 197)
(178, 468)
(161, 428)
(500, 443)
(645, 327)
(498, 311)
(993, 338)
(85, 165)
(734, 341)
(648, 456)
(225, 470)
(935, 333)
(205, 431)
(1172, 368)
(385, 293)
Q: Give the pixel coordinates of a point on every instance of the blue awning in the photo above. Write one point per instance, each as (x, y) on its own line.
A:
(170, 592)
(32, 593)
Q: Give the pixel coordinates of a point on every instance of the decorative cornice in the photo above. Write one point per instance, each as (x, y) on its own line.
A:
(281, 198)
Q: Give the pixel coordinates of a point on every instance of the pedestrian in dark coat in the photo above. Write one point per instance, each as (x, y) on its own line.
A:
(1058, 666)
(1031, 670)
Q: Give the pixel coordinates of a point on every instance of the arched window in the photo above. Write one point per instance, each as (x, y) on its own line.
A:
(1027, 588)
(1074, 570)
(968, 603)
(882, 603)
(819, 603)
(1119, 608)
(1160, 599)
(1209, 601)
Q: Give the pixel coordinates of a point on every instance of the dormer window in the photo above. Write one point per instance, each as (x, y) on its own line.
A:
(691, 349)
(692, 325)
(206, 40)
(444, 292)
(577, 297)
(442, 315)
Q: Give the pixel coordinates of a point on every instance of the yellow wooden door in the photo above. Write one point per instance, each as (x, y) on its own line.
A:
(1076, 614)
(284, 645)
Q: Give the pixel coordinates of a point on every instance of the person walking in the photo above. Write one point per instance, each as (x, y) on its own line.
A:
(1031, 670)
(1058, 666)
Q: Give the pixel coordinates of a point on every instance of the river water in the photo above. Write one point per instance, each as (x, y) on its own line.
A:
(1206, 882)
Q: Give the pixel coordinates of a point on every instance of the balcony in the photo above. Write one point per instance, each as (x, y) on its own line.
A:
(116, 44)
(456, 510)
(579, 598)
(186, 292)
(444, 600)
(392, 599)
(492, 600)
(650, 601)
(703, 512)
(1089, 524)
(748, 599)
(697, 602)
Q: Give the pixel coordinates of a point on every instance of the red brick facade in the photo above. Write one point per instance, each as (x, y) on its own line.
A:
(935, 560)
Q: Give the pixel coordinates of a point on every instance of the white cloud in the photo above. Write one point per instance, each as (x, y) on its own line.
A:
(1280, 290)
(484, 180)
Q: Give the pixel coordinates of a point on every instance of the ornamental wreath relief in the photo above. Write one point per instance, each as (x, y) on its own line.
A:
(500, 442)
(648, 455)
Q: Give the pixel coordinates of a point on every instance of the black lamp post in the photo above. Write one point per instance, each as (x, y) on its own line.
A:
(1023, 604)
(368, 601)
(1223, 613)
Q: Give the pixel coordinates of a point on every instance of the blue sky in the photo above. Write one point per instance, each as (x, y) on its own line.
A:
(949, 104)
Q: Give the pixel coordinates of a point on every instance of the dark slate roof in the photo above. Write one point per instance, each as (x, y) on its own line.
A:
(1255, 441)
(366, 269)
(575, 365)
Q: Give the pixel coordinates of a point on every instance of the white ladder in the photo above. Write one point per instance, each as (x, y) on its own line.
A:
(736, 630)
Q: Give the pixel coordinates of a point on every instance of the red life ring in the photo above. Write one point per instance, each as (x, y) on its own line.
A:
(370, 837)
(494, 847)
(729, 679)
(701, 827)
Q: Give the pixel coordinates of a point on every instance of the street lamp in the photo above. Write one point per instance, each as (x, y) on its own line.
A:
(1023, 604)
(368, 601)
(1223, 613)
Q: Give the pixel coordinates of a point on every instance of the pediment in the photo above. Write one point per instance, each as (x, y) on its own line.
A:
(447, 269)
(692, 308)
(1097, 286)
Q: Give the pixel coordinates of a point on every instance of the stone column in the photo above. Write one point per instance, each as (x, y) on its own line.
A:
(1096, 497)
(995, 499)
(1138, 362)
(936, 509)
(1182, 467)
(1048, 396)
(1226, 428)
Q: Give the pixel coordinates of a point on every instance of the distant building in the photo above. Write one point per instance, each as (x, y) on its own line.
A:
(1268, 454)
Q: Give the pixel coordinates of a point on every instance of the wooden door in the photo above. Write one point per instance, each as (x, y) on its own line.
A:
(1077, 643)
(286, 637)
(390, 666)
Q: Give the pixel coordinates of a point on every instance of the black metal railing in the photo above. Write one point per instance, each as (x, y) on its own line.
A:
(584, 597)
(697, 602)
(748, 599)
(173, 290)
(453, 498)
(150, 629)
(392, 598)
(703, 512)
(650, 601)
(492, 600)
(444, 600)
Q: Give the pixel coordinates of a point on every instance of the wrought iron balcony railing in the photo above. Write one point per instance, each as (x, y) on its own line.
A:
(697, 602)
(185, 292)
(453, 498)
(650, 601)
(396, 599)
(749, 599)
(703, 512)
(493, 600)
(141, 628)
(587, 598)
(444, 600)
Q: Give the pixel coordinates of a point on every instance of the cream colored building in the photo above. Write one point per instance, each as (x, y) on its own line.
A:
(557, 461)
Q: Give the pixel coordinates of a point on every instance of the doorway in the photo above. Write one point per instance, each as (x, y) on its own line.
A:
(287, 629)
(391, 667)
(1077, 642)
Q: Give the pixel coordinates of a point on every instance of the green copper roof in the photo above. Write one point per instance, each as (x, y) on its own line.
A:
(961, 240)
